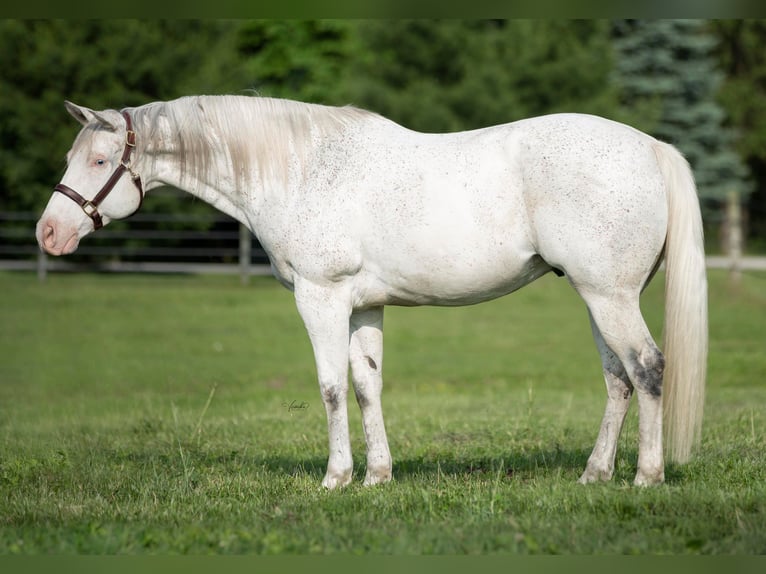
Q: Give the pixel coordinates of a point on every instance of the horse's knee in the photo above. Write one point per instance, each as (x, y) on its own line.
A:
(334, 396)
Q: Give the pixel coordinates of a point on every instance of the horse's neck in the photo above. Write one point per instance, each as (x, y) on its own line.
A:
(221, 194)
(255, 169)
(219, 186)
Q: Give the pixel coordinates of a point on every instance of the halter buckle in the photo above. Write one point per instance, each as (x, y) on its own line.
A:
(89, 208)
(130, 138)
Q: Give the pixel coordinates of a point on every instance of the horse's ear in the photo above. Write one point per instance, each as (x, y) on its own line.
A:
(86, 116)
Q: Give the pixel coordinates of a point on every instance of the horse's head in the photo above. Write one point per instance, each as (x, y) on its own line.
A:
(93, 190)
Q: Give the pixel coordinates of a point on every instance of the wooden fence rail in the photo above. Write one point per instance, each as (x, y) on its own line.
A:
(148, 244)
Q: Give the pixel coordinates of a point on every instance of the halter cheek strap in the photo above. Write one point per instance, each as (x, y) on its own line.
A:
(90, 206)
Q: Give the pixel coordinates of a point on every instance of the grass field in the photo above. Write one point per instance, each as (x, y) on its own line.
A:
(152, 415)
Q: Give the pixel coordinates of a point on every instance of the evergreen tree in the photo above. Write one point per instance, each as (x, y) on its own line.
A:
(668, 82)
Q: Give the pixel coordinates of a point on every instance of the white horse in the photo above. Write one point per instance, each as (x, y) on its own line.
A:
(356, 212)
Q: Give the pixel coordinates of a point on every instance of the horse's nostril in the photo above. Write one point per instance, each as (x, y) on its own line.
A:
(49, 235)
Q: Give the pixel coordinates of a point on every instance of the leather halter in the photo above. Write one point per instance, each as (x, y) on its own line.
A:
(90, 206)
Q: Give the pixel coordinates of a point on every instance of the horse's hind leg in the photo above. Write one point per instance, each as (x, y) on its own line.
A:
(623, 330)
(366, 360)
(619, 390)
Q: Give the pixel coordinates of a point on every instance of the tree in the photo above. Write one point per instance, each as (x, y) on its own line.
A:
(741, 52)
(434, 75)
(304, 60)
(666, 73)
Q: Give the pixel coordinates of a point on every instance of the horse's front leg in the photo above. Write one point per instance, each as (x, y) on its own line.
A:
(325, 311)
(366, 359)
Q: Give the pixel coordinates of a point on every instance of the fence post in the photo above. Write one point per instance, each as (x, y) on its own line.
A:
(734, 242)
(245, 245)
(42, 266)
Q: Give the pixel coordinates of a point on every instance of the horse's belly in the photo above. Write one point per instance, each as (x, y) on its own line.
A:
(447, 281)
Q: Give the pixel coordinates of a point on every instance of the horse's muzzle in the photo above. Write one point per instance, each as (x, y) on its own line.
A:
(55, 238)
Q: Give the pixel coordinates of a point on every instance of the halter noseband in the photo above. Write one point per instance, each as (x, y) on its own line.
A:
(90, 207)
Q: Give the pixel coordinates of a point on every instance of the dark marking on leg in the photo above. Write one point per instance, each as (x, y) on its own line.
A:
(331, 396)
(649, 370)
(361, 399)
(372, 364)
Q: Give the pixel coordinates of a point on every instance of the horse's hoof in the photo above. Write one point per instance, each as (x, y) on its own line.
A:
(591, 475)
(379, 476)
(649, 478)
(334, 480)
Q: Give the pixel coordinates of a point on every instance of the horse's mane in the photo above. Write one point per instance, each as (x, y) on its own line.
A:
(259, 135)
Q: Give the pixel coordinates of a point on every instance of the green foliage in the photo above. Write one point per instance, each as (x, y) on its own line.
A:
(146, 415)
(452, 75)
(741, 50)
(297, 59)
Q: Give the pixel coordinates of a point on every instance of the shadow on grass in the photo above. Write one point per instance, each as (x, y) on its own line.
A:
(527, 465)
(524, 467)
(517, 466)
(530, 465)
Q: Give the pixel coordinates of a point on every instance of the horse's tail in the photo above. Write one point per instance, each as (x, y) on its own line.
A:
(686, 329)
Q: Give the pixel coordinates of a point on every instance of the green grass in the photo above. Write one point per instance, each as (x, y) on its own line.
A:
(147, 415)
